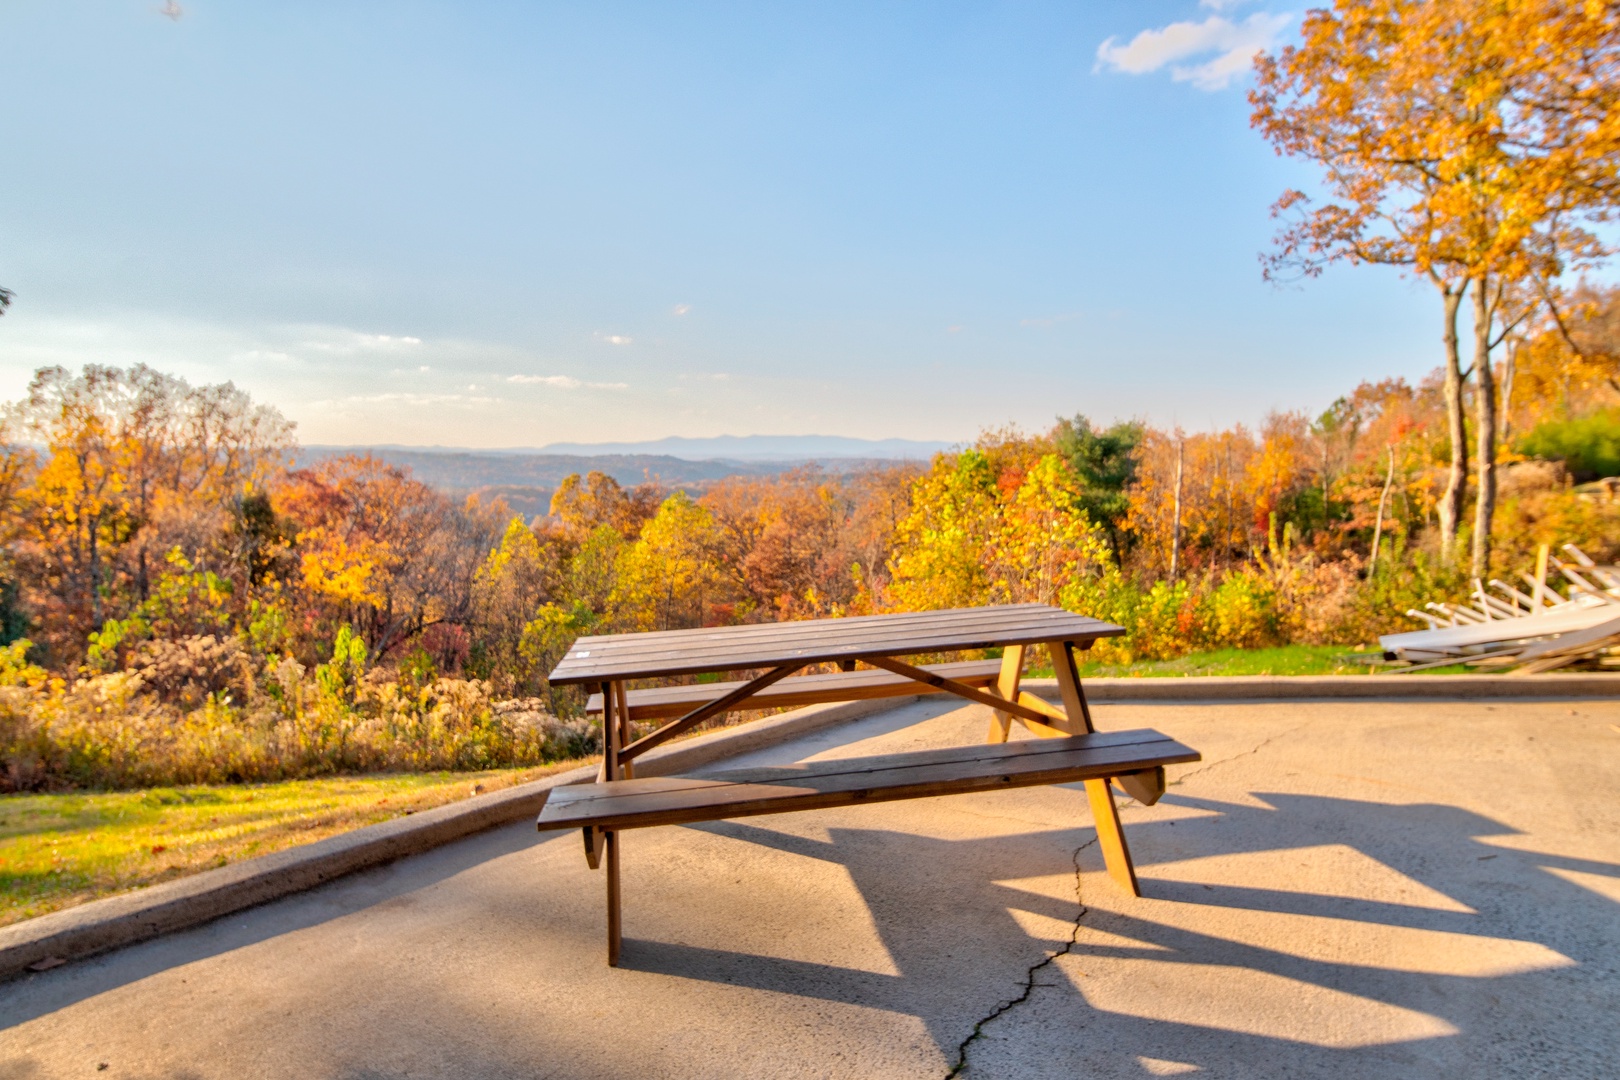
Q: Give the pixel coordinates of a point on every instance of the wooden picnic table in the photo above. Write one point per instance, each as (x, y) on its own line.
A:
(774, 652)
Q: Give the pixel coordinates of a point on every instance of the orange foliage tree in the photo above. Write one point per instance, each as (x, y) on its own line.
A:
(1469, 142)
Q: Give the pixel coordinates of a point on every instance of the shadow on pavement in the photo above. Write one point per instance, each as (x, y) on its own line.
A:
(34, 996)
(919, 914)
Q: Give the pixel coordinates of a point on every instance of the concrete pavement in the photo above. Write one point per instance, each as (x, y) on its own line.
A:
(1342, 890)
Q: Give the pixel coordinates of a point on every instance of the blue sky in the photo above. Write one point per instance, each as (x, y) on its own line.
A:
(507, 224)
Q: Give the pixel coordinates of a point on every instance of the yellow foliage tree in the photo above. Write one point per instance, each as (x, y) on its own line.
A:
(668, 578)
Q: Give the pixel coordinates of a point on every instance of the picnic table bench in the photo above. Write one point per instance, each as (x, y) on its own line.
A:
(1069, 748)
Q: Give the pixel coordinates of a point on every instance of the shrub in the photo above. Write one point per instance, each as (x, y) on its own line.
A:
(1241, 611)
(1589, 446)
(111, 731)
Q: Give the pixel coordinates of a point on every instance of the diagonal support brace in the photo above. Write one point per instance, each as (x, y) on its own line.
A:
(704, 712)
(951, 686)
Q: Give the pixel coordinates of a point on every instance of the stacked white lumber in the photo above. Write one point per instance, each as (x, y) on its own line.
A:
(1535, 631)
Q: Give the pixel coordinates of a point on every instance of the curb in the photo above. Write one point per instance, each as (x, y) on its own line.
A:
(1214, 688)
(115, 921)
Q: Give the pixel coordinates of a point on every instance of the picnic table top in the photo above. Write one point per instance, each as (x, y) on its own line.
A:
(611, 657)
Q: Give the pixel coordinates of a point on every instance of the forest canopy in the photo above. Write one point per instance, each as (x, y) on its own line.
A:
(179, 601)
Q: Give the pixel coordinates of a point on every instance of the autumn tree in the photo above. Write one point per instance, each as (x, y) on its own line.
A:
(518, 577)
(385, 553)
(785, 541)
(1468, 142)
(1105, 461)
(131, 464)
(583, 504)
(940, 545)
(669, 577)
(1563, 367)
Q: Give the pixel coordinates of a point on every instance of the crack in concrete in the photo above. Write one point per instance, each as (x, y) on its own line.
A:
(1184, 777)
(1029, 976)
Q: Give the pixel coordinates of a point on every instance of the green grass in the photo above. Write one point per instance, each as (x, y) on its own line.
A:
(1284, 660)
(60, 850)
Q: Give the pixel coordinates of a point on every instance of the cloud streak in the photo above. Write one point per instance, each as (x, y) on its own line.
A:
(1232, 43)
(564, 382)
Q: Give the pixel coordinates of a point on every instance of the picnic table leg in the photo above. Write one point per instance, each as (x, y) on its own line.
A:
(1068, 680)
(627, 770)
(1110, 833)
(1111, 836)
(612, 704)
(610, 841)
(1012, 672)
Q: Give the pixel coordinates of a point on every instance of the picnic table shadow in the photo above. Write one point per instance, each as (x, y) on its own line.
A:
(964, 891)
(1429, 843)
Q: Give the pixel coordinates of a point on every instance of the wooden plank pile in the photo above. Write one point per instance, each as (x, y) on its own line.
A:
(1529, 632)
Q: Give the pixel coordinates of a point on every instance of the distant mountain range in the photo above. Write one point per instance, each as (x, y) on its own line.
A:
(792, 448)
(470, 469)
(781, 449)
(525, 478)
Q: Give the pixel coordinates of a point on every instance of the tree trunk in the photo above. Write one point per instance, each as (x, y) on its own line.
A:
(1378, 526)
(1484, 431)
(1175, 528)
(1509, 369)
(1451, 501)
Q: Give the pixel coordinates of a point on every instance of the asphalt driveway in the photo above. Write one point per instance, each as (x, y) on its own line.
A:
(1339, 890)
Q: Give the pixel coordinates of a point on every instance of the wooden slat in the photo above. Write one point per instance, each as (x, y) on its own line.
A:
(677, 800)
(684, 652)
(867, 764)
(667, 701)
(851, 624)
(878, 628)
(870, 627)
(603, 658)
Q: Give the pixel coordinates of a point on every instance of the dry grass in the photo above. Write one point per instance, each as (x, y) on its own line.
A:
(59, 850)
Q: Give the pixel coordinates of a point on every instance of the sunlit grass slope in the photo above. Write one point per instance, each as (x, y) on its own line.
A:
(1284, 660)
(61, 850)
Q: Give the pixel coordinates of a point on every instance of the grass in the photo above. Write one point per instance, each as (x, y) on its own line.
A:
(1284, 660)
(60, 850)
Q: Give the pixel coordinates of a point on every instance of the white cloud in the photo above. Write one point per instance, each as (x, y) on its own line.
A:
(348, 342)
(561, 382)
(1234, 46)
(615, 339)
(565, 382)
(461, 400)
(681, 309)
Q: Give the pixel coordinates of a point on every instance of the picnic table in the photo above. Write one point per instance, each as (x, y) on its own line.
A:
(1069, 748)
